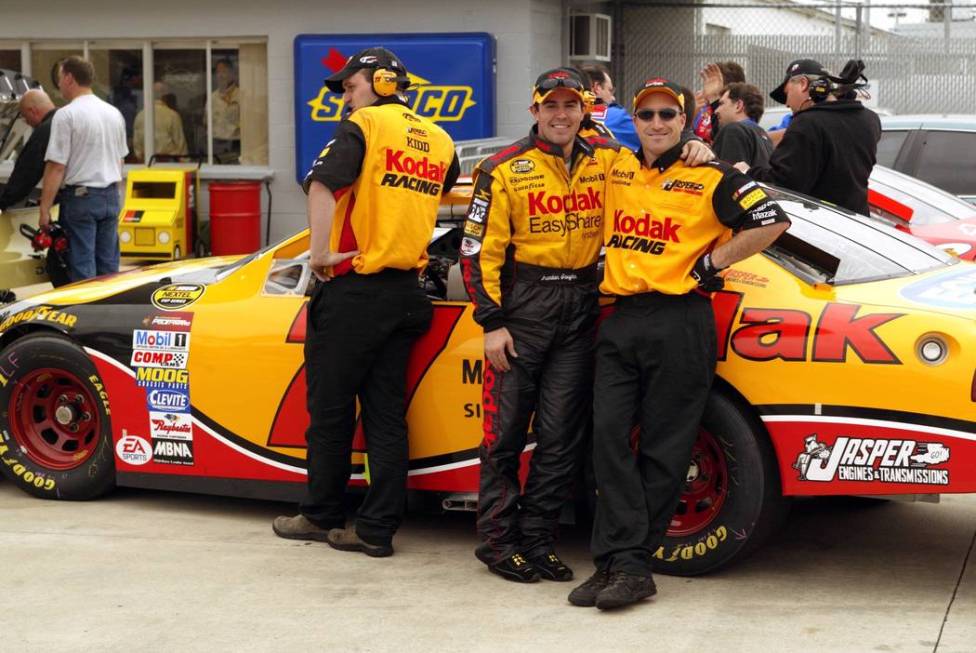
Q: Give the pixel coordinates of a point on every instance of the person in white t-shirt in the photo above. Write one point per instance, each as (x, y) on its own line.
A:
(83, 167)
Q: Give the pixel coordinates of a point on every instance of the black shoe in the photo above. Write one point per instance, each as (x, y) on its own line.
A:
(551, 567)
(346, 539)
(624, 589)
(585, 595)
(515, 568)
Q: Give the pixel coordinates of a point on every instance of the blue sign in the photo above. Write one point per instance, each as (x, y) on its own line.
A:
(954, 289)
(452, 83)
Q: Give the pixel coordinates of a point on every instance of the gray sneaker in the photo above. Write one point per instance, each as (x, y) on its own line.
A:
(298, 528)
(585, 595)
(346, 539)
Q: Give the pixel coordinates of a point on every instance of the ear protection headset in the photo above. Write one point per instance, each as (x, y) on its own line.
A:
(387, 82)
(820, 88)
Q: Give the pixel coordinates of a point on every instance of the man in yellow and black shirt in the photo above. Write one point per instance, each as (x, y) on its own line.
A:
(373, 197)
(655, 356)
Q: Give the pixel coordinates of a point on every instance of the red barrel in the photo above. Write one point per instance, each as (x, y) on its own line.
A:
(235, 217)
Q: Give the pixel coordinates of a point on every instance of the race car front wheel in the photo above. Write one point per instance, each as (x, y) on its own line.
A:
(731, 500)
(56, 438)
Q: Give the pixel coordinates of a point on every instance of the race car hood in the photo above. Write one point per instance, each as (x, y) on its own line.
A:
(949, 291)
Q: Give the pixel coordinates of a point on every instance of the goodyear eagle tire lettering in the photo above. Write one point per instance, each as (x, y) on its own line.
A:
(55, 426)
(752, 505)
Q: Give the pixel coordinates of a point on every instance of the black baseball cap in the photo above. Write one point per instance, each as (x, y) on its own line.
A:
(568, 78)
(659, 85)
(368, 59)
(798, 67)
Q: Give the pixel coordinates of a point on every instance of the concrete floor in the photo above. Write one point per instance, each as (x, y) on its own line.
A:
(155, 571)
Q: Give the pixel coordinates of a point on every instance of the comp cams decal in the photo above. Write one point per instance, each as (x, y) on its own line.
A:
(872, 460)
(177, 295)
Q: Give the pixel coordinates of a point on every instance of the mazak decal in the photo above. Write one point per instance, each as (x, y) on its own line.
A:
(873, 461)
(177, 295)
(172, 452)
(154, 358)
(956, 289)
(168, 400)
(133, 450)
(161, 340)
(175, 426)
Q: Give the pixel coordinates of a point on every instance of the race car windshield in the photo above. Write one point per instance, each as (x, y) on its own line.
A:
(865, 250)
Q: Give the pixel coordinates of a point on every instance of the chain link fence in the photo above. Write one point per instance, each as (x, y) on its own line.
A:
(919, 58)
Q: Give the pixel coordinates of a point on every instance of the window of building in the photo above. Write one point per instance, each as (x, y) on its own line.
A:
(44, 65)
(118, 81)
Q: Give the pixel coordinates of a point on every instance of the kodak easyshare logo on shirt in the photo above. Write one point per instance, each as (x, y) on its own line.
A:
(560, 214)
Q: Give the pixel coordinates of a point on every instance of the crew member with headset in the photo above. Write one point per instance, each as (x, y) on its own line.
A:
(830, 147)
(373, 197)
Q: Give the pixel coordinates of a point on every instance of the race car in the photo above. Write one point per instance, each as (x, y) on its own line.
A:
(846, 367)
(921, 209)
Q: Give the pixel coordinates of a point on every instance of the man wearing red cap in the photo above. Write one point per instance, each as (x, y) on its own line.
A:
(655, 355)
(373, 197)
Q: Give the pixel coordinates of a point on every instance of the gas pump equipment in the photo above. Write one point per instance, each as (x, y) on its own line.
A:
(159, 217)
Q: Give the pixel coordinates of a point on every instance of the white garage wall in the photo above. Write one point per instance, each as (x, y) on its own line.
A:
(528, 40)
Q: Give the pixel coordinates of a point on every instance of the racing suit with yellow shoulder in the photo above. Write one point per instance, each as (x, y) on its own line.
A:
(532, 239)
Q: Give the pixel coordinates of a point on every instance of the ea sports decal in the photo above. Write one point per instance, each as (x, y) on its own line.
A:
(177, 295)
(872, 460)
(955, 289)
(133, 450)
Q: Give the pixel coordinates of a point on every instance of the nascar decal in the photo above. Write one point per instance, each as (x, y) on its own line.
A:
(872, 460)
(521, 166)
(133, 450)
(291, 420)
(177, 295)
(776, 333)
(47, 314)
(955, 289)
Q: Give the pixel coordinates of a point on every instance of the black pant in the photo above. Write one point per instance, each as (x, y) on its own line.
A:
(553, 329)
(360, 330)
(655, 361)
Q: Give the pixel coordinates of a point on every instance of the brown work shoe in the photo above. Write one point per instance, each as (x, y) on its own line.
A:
(624, 589)
(346, 539)
(298, 528)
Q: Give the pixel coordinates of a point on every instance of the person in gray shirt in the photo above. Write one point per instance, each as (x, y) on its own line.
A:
(740, 138)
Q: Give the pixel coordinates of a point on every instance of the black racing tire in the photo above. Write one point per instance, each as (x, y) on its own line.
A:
(734, 503)
(55, 424)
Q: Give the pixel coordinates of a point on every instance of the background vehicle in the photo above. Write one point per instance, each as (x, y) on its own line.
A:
(189, 376)
(923, 210)
(939, 149)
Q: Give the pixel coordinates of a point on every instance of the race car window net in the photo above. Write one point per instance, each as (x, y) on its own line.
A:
(864, 250)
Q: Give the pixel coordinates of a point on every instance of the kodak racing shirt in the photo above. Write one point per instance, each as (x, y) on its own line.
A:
(387, 168)
(528, 207)
(661, 218)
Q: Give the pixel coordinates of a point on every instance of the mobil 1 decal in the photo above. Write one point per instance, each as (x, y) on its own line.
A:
(872, 460)
(160, 358)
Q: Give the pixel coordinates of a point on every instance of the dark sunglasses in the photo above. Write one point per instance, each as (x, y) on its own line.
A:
(565, 82)
(647, 115)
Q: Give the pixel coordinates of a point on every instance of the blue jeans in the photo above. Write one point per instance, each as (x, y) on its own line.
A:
(92, 223)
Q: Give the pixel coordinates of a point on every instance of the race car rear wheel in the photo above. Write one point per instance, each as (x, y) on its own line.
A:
(56, 431)
(731, 501)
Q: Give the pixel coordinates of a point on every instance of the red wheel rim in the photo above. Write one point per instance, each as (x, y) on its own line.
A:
(54, 418)
(705, 490)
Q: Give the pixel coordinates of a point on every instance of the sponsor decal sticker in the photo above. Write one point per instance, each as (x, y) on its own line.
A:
(162, 378)
(159, 399)
(133, 450)
(172, 452)
(161, 340)
(749, 200)
(175, 426)
(474, 229)
(174, 321)
(521, 166)
(470, 246)
(40, 314)
(177, 295)
(743, 189)
(873, 461)
(477, 211)
(152, 358)
(956, 289)
(682, 186)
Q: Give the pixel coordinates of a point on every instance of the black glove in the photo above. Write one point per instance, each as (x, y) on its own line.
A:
(706, 274)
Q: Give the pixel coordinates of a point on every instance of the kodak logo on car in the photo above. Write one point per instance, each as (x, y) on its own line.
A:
(420, 175)
(545, 204)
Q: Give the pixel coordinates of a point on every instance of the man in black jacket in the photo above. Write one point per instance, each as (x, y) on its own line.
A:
(740, 138)
(830, 146)
(37, 110)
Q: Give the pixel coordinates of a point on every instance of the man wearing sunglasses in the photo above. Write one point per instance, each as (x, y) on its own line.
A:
(655, 355)
(532, 239)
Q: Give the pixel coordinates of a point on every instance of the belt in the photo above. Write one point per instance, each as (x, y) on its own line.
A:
(654, 298)
(555, 276)
(80, 190)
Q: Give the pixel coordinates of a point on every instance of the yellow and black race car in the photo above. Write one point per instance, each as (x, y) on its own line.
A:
(846, 366)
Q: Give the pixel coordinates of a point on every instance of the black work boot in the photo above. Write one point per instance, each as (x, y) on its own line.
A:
(515, 568)
(298, 528)
(624, 589)
(551, 567)
(585, 595)
(346, 539)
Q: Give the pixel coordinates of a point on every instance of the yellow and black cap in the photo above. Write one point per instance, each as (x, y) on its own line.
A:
(368, 59)
(567, 78)
(799, 67)
(659, 85)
